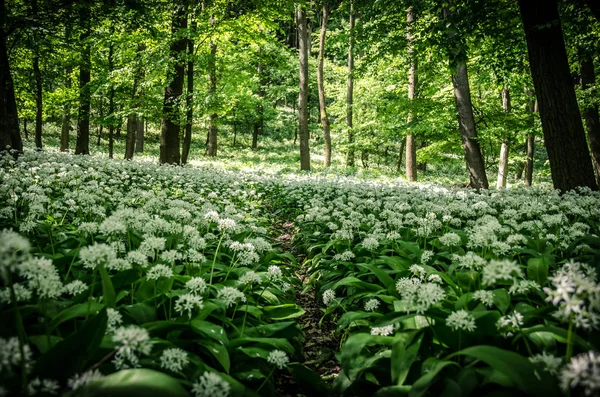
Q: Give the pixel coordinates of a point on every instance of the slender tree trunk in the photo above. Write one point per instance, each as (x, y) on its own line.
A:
(564, 136)
(100, 127)
(211, 149)
(133, 120)
(590, 113)
(530, 142)
(139, 137)
(25, 129)
(303, 95)
(111, 103)
(189, 99)
(320, 84)
(411, 147)
(258, 120)
(82, 145)
(38, 101)
(65, 130)
(503, 163)
(170, 128)
(401, 153)
(350, 160)
(132, 125)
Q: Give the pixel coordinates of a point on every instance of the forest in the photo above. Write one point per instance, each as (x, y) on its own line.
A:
(299, 198)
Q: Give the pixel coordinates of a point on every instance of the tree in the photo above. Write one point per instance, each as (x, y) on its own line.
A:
(189, 99)
(564, 137)
(350, 161)
(10, 135)
(590, 111)
(211, 147)
(82, 146)
(170, 128)
(503, 164)
(322, 104)
(303, 40)
(411, 147)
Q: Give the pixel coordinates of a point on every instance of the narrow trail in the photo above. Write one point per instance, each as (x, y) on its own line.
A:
(320, 341)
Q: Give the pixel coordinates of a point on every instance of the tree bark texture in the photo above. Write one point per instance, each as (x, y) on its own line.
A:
(350, 160)
(530, 142)
(504, 149)
(211, 148)
(139, 137)
(303, 95)
(189, 98)
(65, 130)
(590, 113)
(564, 136)
(38, 101)
(170, 128)
(321, 87)
(411, 146)
(10, 135)
(111, 103)
(82, 145)
(133, 120)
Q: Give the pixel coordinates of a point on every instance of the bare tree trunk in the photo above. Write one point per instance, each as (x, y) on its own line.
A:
(320, 84)
(590, 113)
(169, 136)
(532, 108)
(133, 120)
(189, 99)
(211, 149)
(303, 95)
(82, 145)
(411, 147)
(111, 103)
(564, 136)
(350, 160)
(25, 128)
(400, 153)
(65, 130)
(503, 163)
(139, 138)
(132, 125)
(258, 120)
(38, 101)
(100, 127)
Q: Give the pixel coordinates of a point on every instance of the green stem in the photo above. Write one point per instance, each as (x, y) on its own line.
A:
(570, 340)
(212, 270)
(91, 295)
(266, 380)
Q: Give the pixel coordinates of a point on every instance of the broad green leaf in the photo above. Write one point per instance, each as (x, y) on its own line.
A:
(434, 367)
(108, 291)
(79, 310)
(141, 313)
(403, 357)
(276, 343)
(537, 270)
(501, 299)
(219, 352)
(308, 380)
(44, 342)
(283, 312)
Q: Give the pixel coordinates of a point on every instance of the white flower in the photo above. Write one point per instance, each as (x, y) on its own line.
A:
(427, 295)
(174, 359)
(227, 225)
(500, 270)
(21, 293)
(197, 285)
(370, 243)
(231, 296)
(328, 296)
(42, 277)
(278, 358)
(583, 371)
(344, 256)
(114, 319)
(418, 271)
(461, 320)
(509, 323)
(83, 379)
(250, 277)
(549, 362)
(132, 340)
(10, 354)
(371, 305)
(426, 257)
(96, 255)
(470, 261)
(485, 297)
(170, 256)
(159, 271)
(209, 384)
(523, 287)
(187, 303)
(48, 386)
(383, 331)
(434, 278)
(450, 239)
(13, 248)
(274, 273)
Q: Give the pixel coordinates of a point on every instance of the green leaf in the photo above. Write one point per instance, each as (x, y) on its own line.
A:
(385, 278)
(44, 342)
(349, 317)
(70, 355)
(537, 270)
(218, 351)
(403, 358)
(352, 281)
(210, 330)
(79, 310)
(284, 329)
(501, 299)
(308, 380)
(108, 291)
(139, 382)
(276, 343)
(283, 312)
(141, 313)
(434, 367)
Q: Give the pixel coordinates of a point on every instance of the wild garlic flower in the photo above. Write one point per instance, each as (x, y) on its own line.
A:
(42, 277)
(114, 319)
(197, 285)
(345, 256)
(47, 386)
(370, 243)
(461, 320)
(22, 293)
(210, 384)
(159, 271)
(151, 245)
(523, 287)
(137, 258)
(510, 323)
(426, 256)
(132, 340)
(188, 303)
(500, 271)
(13, 249)
(249, 278)
(549, 362)
(582, 372)
(435, 278)
(371, 305)
(274, 273)
(96, 255)
(407, 287)
(10, 354)
(231, 296)
(576, 294)
(328, 297)
(418, 271)
(383, 331)
(170, 256)
(470, 261)
(485, 297)
(227, 225)
(80, 380)
(450, 239)
(174, 359)
(278, 358)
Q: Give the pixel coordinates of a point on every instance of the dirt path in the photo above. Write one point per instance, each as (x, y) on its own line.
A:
(320, 341)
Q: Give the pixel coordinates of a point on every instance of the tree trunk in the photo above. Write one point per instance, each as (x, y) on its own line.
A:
(38, 100)
(139, 137)
(132, 125)
(100, 127)
(189, 98)
(411, 147)
(590, 113)
(111, 103)
(350, 160)
(564, 136)
(303, 95)
(530, 142)
(65, 130)
(132, 119)
(503, 163)
(25, 129)
(169, 134)
(320, 84)
(211, 149)
(82, 145)
(258, 120)
(400, 154)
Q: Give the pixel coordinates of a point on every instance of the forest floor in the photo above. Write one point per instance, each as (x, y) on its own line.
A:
(320, 340)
